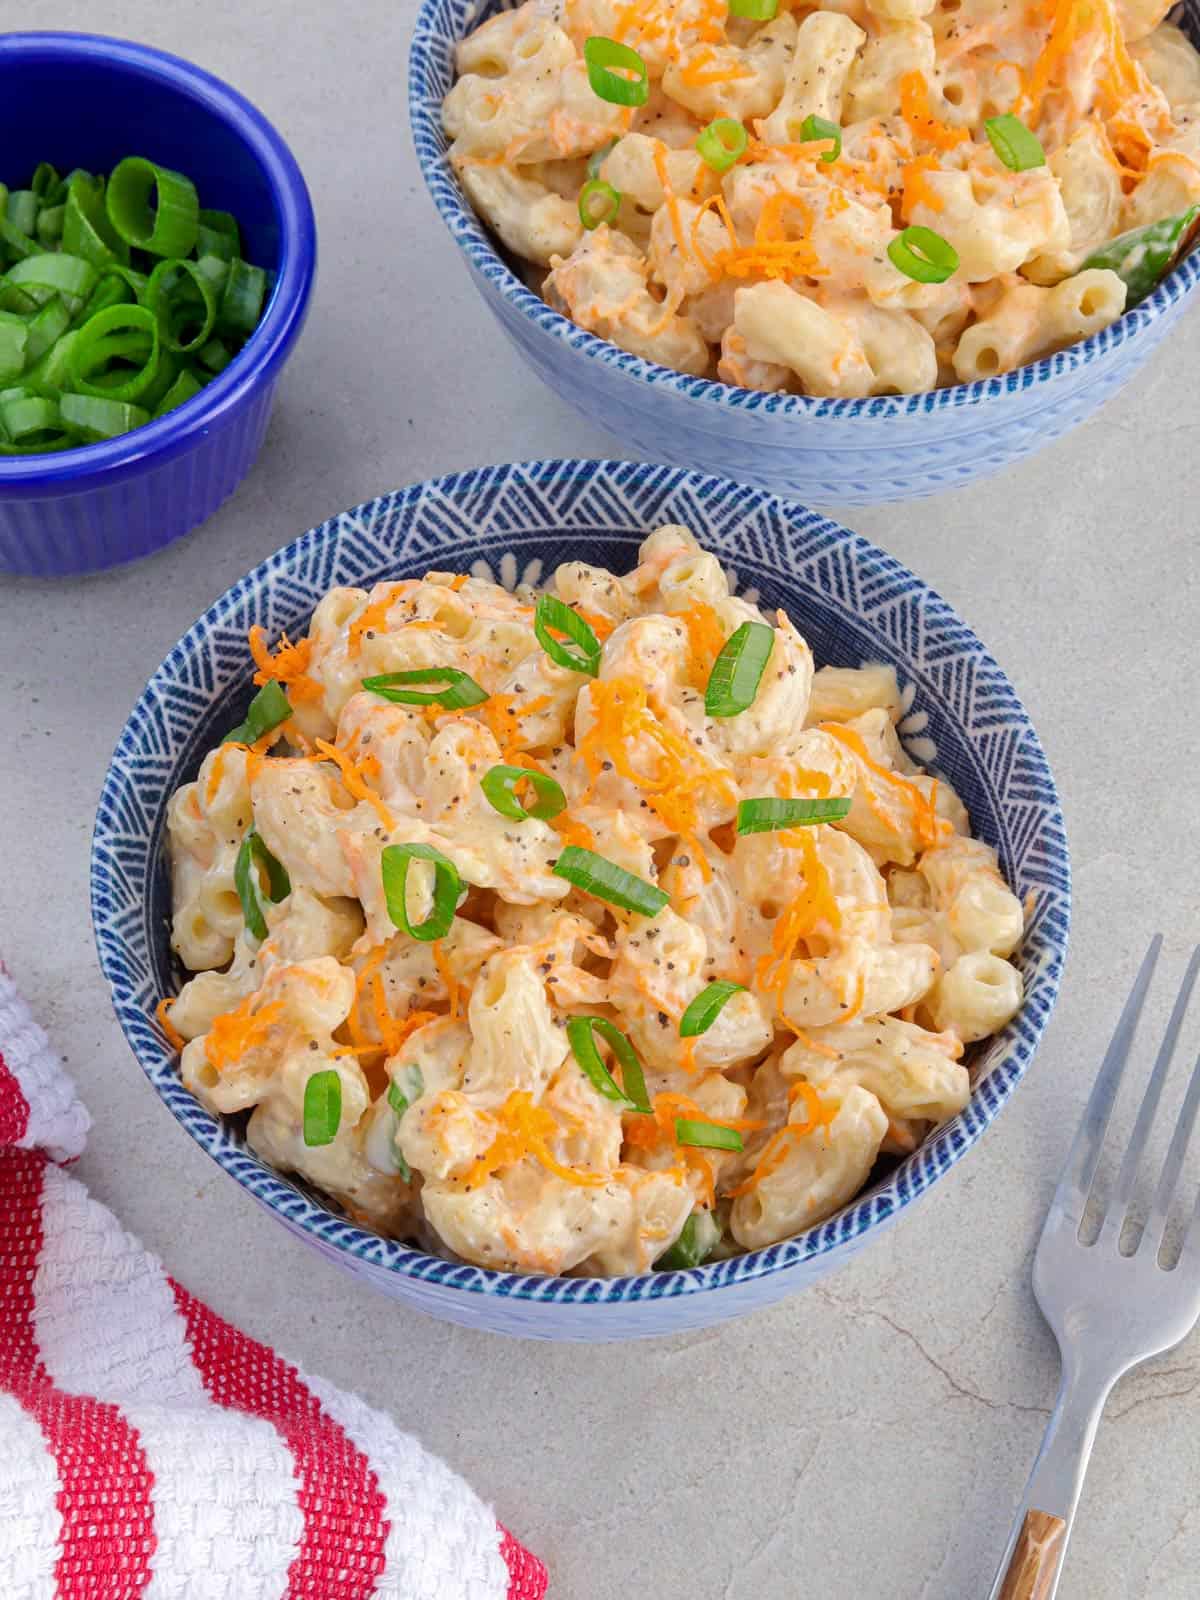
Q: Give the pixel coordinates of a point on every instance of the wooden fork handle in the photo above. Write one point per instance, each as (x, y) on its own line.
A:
(1036, 1558)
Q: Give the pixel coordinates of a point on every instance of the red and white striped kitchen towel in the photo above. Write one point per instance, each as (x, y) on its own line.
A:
(149, 1451)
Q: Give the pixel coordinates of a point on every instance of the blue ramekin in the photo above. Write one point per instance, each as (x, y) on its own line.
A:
(78, 99)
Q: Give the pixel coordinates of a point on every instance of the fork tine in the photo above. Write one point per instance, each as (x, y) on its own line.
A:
(1070, 1198)
(1156, 1222)
(1118, 1205)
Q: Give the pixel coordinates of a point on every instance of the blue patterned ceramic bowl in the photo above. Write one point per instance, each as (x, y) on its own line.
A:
(852, 602)
(824, 452)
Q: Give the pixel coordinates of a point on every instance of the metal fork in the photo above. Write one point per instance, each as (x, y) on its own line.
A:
(1109, 1311)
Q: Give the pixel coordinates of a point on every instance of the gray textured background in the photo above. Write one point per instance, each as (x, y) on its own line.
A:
(866, 1440)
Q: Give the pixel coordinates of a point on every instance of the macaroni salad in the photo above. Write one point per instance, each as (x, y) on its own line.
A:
(871, 197)
(581, 930)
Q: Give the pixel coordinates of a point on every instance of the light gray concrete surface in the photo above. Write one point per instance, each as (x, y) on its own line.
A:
(866, 1440)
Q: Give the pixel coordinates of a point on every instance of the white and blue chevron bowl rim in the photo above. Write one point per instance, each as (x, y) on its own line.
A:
(439, 27)
(852, 601)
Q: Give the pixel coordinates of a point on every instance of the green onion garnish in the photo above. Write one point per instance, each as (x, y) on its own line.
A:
(116, 354)
(722, 143)
(707, 1007)
(408, 1085)
(814, 127)
(460, 690)
(553, 613)
(153, 208)
(596, 875)
(1141, 256)
(581, 1036)
(706, 1135)
(755, 10)
(322, 1107)
(184, 299)
(499, 786)
(696, 1242)
(253, 859)
(87, 232)
(598, 157)
(616, 73)
(598, 202)
(267, 710)
(923, 255)
(1017, 147)
(737, 671)
(217, 235)
(447, 886)
(768, 815)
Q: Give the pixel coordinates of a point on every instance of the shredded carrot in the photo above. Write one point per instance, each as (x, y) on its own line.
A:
(523, 1129)
(288, 665)
(697, 73)
(817, 1046)
(239, 1030)
(914, 108)
(162, 1015)
(453, 988)
(856, 1005)
(814, 908)
(776, 1150)
(366, 973)
(650, 1133)
(672, 203)
(926, 822)
(917, 191)
(572, 832)
(373, 617)
(706, 639)
(355, 782)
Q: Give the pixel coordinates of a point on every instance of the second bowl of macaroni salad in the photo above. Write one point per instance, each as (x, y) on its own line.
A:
(579, 930)
(878, 197)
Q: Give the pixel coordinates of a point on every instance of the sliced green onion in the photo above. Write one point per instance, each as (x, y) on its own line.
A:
(581, 1036)
(186, 386)
(499, 786)
(722, 143)
(704, 1010)
(94, 418)
(756, 10)
(598, 876)
(1141, 256)
(408, 1085)
(814, 127)
(923, 255)
(184, 299)
(14, 341)
(598, 202)
(447, 886)
(616, 73)
(553, 613)
(50, 223)
(217, 234)
(769, 815)
(460, 690)
(696, 1242)
(1017, 147)
(47, 328)
(87, 232)
(254, 859)
(152, 207)
(60, 273)
(598, 157)
(737, 671)
(29, 421)
(706, 1135)
(45, 180)
(242, 297)
(322, 1108)
(22, 208)
(267, 710)
(214, 356)
(116, 353)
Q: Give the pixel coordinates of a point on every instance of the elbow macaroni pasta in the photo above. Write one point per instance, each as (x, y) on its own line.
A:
(867, 953)
(775, 273)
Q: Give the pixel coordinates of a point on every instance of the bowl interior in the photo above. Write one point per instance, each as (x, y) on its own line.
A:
(90, 107)
(852, 602)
